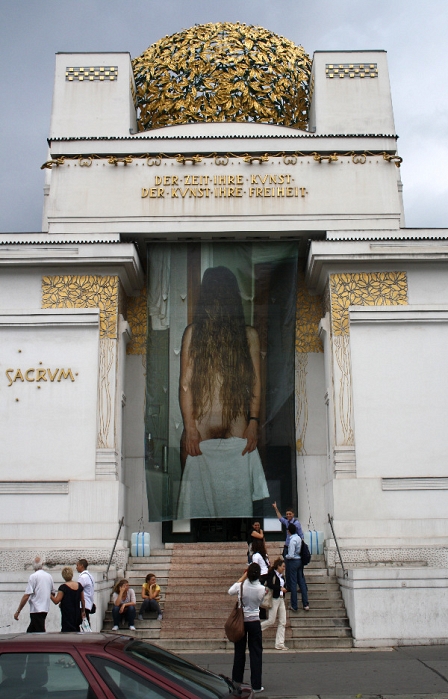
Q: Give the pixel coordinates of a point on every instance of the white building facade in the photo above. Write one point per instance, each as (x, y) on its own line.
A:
(371, 384)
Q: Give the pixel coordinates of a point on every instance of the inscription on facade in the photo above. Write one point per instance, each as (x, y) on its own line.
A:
(36, 375)
(267, 186)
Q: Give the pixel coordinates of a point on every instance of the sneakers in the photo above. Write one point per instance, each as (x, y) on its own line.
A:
(114, 628)
(257, 691)
(283, 647)
(160, 617)
(291, 609)
(140, 617)
(132, 628)
(307, 608)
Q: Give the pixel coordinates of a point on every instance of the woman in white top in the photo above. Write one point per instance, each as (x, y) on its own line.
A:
(260, 556)
(253, 593)
(276, 582)
(124, 605)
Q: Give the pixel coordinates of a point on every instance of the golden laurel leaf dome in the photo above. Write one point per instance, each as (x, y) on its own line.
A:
(222, 72)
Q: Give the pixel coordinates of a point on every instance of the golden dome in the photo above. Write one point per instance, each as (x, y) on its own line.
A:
(222, 72)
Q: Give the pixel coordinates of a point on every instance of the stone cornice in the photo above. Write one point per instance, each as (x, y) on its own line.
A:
(120, 259)
(326, 257)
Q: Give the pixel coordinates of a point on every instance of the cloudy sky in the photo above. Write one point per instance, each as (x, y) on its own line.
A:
(413, 32)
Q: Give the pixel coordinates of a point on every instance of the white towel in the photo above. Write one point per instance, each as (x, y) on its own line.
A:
(222, 482)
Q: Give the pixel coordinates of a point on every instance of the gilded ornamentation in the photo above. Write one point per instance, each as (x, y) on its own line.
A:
(330, 158)
(222, 72)
(364, 289)
(91, 73)
(358, 157)
(301, 401)
(341, 345)
(92, 291)
(105, 437)
(309, 311)
(137, 319)
(351, 70)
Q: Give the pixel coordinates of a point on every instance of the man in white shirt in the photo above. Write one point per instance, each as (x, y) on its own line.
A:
(88, 584)
(38, 591)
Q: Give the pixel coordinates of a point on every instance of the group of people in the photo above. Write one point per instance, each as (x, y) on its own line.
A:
(125, 607)
(281, 577)
(75, 598)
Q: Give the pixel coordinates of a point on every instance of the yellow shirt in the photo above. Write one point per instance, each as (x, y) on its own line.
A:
(147, 588)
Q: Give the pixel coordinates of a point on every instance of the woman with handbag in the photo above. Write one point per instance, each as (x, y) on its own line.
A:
(275, 581)
(252, 592)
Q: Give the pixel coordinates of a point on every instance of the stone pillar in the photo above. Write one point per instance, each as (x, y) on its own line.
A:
(345, 290)
(105, 293)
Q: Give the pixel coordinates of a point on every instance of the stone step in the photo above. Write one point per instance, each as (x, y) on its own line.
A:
(155, 553)
(213, 587)
(178, 645)
(188, 570)
(197, 597)
(141, 633)
(324, 606)
(227, 557)
(227, 554)
(217, 632)
(328, 632)
(312, 622)
(145, 568)
(136, 581)
(156, 560)
(212, 612)
(297, 625)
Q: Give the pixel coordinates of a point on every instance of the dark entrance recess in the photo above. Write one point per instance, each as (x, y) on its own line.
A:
(217, 530)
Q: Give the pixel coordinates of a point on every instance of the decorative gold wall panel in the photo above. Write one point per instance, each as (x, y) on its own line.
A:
(90, 291)
(91, 73)
(309, 312)
(222, 72)
(351, 70)
(137, 319)
(364, 289)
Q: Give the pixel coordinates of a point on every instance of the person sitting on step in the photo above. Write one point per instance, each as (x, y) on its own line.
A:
(124, 605)
(151, 597)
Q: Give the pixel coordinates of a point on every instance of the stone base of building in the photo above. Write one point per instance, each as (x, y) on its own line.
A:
(395, 606)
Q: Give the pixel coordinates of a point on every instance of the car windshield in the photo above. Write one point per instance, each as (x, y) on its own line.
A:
(191, 676)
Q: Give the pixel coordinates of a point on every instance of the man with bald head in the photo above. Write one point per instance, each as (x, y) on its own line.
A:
(38, 591)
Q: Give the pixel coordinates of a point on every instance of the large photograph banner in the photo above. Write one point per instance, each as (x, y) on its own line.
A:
(220, 438)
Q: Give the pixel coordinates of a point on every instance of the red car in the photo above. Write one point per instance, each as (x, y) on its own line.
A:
(103, 666)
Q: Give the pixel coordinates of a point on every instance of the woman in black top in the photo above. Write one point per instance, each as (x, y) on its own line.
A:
(275, 580)
(70, 598)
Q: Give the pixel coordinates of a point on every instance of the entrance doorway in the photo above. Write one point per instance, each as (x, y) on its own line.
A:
(217, 530)
(233, 529)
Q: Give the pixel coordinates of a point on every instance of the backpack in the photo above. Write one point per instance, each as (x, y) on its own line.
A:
(305, 553)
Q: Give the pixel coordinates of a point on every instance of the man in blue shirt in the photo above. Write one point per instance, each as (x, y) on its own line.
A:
(289, 517)
(295, 566)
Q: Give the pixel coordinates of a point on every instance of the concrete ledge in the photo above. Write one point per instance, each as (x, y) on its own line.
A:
(396, 606)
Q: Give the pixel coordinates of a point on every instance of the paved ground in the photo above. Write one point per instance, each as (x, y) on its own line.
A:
(411, 672)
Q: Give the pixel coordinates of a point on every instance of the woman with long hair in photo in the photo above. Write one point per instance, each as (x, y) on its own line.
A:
(275, 581)
(219, 396)
(253, 593)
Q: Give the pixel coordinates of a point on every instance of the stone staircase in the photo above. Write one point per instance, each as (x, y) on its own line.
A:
(137, 569)
(195, 578)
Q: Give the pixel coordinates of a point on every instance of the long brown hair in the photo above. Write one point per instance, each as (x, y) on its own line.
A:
(259, 546)
(219, 349)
